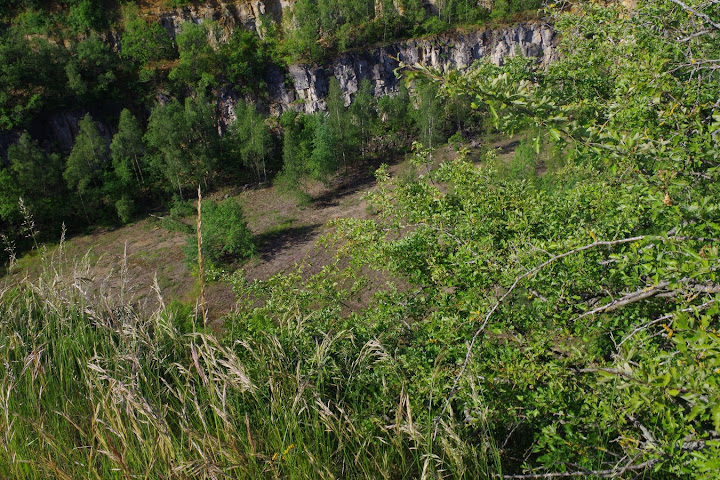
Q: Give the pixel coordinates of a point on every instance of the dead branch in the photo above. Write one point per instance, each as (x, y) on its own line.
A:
(642, 294)
(648, 292)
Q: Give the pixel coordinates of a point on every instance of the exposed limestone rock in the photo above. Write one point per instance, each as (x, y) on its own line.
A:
(304, 87)
(444, 52)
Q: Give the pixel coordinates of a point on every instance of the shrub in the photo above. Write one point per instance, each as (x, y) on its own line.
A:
(226, 236)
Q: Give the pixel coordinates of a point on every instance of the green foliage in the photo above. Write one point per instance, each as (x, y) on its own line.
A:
(91, 69)
(393, 110)
(36, 178)
(28, 76)
(248, 140)
(198, 66)
(298, 134)
(33, 22)
(225, 234)
(362, 115)
(338, 121)
(244, 61)
(143, 41)
(570, 319)
(324, 159)
(293, 399)
(183, 143)
(302, 34)
(507, 8)
(467, 11)
(340, 25)
(129, 166)
(86, 15)
(429, 116)
(599, 278)
(86, 166)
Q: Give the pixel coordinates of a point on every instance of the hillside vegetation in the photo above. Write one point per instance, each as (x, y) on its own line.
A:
(147, 100)
(554, 315)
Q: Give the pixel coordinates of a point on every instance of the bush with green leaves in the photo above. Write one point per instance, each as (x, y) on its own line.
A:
(86, 15)
(579, 312)
(226, 237)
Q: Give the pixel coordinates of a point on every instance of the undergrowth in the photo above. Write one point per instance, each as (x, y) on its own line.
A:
(92, 389)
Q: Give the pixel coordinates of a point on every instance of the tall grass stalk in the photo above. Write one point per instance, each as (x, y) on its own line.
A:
(201, 265)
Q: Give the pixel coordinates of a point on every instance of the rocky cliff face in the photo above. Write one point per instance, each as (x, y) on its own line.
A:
(304, 87)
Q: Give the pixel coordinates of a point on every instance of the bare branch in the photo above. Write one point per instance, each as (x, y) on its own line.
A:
(698, 13)
(648, 292)
(694, 35)
(642, 294)
(669, 316)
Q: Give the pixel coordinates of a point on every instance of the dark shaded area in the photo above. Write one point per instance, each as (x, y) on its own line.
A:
(359, 177)
(347, 185)
(272, 243)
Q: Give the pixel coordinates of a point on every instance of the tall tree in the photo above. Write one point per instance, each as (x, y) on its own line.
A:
(363, 115)
(184, 143)
(337, 123)
(393, 110)
(298, 134)
(86, 165)
(249, 140)
(39, 179)
(127, 151)
(324, 159)
(429, 116)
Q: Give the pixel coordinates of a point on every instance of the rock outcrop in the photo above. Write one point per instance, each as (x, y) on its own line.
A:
(304, 87)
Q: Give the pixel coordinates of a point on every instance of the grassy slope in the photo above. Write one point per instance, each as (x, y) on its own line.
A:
(286, 232)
